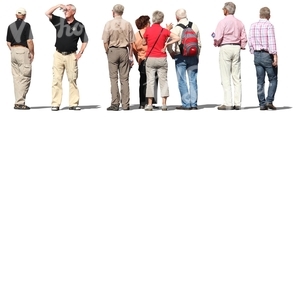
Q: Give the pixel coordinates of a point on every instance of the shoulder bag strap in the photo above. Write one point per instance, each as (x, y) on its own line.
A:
(154, 44)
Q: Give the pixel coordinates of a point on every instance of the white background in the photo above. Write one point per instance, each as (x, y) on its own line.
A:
(149, 205)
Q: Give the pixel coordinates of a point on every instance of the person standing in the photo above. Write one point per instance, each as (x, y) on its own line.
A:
(19, 40)
(262, 44)
(157, 40)
(118, 37)
(185, 64)
(139, 51)
(231, 37)
(68, 32)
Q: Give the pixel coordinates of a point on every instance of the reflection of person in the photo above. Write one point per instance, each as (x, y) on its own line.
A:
(156, 38)
(68, 32)
(186, 65)
(231, 37)
(19, 41)
(262, 44)
(139, 51)
(118, 38)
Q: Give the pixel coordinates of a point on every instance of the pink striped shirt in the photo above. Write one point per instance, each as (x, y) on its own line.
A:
(262, 36)
(230, 30)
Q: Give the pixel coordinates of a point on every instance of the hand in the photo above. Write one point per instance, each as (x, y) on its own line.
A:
(78, 55)
(169, 26)
(31, 56)
(164, 49)
(62, 7)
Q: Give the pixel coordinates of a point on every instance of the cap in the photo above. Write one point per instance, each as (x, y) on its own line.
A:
(21, 11)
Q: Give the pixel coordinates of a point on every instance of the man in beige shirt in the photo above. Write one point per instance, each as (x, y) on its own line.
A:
(118, 37)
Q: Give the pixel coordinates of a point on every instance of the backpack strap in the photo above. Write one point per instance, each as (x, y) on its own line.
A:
(181, 25)
(190, 24)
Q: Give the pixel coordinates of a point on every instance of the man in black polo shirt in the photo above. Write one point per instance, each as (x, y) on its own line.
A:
(68, 32)
(19, 41)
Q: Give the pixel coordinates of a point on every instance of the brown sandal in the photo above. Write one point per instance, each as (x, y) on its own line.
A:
(21, 106)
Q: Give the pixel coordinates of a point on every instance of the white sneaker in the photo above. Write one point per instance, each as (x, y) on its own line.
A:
(149, 108)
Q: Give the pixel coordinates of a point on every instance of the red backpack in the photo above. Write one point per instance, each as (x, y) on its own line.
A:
(189, 40)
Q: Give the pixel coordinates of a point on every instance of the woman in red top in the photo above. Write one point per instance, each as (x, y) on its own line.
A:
(157, 39)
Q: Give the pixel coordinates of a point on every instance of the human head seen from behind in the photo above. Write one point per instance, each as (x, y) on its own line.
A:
(142, 22)
(229, 8)
(157, 17)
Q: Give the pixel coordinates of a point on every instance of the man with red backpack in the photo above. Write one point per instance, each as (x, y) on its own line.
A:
(186, 55)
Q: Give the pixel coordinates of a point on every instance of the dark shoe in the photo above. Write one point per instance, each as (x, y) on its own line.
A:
(74, 108)
(141, 106)
(183, 107)
(21, 106)
(263, 107)
(155, 107)
(127, 108)
(224, 107)
(271, 106)
(54, 108)
(194, 108)
(237, 107)
(113, 107)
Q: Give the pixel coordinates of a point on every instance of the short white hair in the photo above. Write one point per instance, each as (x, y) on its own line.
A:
(180, 13)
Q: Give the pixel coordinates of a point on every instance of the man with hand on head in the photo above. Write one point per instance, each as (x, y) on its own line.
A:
(19, 41)
(68, 32)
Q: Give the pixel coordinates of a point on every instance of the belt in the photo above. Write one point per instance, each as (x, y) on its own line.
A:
(65, 53)
(18, 46)
(118, 47)
(236, 44)
(262, 50)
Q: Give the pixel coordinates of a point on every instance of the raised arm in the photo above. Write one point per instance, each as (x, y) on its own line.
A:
(50, 11)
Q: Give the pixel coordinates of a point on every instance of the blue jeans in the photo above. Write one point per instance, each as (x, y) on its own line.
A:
(187, 65)
(263, 64)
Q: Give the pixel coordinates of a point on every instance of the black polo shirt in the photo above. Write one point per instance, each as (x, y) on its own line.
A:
(18, 33)
(67, 35)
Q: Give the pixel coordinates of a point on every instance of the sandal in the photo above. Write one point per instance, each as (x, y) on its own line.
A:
(21, 106)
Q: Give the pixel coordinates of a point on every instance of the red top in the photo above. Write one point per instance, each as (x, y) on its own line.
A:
(151, 35)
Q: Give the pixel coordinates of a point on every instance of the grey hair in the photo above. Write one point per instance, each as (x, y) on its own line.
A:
(72, 6)
(118, 9)
(264, 13)
(180, 13)
(230, 7)
(158, 17)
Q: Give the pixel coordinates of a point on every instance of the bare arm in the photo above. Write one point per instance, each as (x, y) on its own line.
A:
(275, 60)
(106, 47)
(83, 46)
(50, 11)
(31, 49)
(130, 53)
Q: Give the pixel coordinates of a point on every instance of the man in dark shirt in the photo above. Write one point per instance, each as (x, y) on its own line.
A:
(19, 41)
(68, 32)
